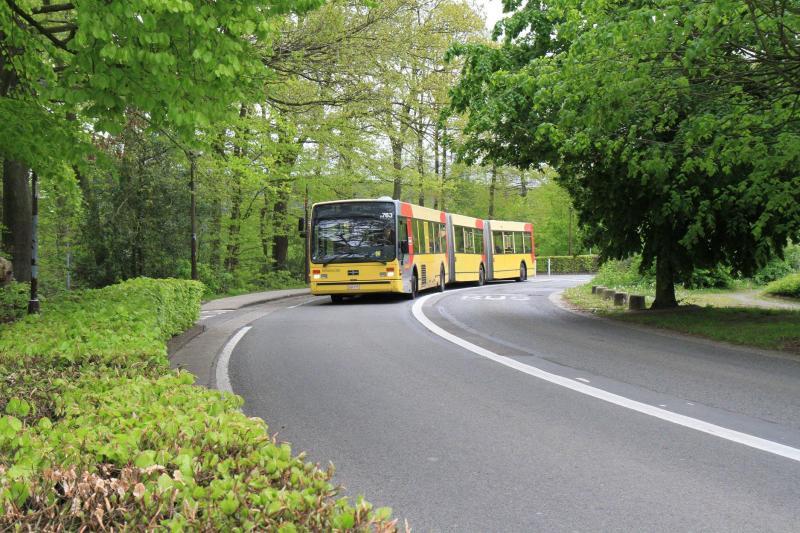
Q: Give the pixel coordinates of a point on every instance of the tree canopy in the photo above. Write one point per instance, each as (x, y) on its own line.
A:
(672, 123)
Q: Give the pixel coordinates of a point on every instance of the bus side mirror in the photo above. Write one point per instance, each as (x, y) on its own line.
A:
(403, 247)
(301, 226)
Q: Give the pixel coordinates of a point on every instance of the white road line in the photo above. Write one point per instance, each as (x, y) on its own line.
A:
(222, 378)
(302, 303)
(668, 416)
(584, 380)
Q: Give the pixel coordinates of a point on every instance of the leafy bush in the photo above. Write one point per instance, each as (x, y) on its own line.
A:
(624, 273)
(14, 301)
(568, 264)
(778, 268)
(718, 277)
(102, 435)
(281, 279)
(127, 321)
(786, 286)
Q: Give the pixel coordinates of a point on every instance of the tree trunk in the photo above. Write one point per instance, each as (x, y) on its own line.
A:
(492, 188)
(665, 283)
(17, 222)
(436, 200)
(215, 240)
(232, 257)
(397, 163)
(523, 185)
(263, 231)
(280, 239)
(421, 162)
(17, 230)
(443, 178)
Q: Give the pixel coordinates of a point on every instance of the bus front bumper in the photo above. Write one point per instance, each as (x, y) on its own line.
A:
(356, 287)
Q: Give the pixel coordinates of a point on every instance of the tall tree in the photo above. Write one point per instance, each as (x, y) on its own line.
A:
(181, 63)
(672, 123)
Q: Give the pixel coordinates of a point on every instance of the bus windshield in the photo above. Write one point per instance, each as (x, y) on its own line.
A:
(353, 232)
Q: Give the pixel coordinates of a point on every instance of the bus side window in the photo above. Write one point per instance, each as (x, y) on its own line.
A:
(526, 243)
(458, 232)
(419, 236)
(433, 242)
(497, 237)
(518, 248)
(478, 241)
(508, 243)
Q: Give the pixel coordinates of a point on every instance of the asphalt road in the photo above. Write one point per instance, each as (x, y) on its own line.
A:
(455, 441)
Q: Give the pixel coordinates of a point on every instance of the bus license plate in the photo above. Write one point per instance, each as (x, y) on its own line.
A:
(354, 287)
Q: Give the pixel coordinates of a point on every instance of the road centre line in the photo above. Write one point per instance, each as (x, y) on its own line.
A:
(223, 380)
(668, 416)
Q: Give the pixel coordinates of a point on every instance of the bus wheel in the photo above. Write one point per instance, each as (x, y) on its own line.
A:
(337, 298)
(481, 277)
(442, 281)
(414, 286)
(523, 272)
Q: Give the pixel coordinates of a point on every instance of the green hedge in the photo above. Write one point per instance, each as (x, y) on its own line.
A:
(786, 286)
(568, 264)
(98, 433)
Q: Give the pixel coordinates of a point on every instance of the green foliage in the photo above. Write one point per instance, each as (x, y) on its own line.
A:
(14, 301)
(136, 208)
(118, 324)
(718, 277)
(669, 143)
(167, 59)
(567, 264)
(626, 273)
(165, 452)
(786, 286)
(780, 266)
(109, 430)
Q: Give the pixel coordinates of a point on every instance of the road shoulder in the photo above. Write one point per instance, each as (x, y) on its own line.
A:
(220, 320)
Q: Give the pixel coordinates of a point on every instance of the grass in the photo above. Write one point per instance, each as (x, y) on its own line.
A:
(762, 328)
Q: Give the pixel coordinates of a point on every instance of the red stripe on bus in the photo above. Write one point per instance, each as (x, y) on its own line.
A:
(405, 210)
(442, 217)
(479, 224)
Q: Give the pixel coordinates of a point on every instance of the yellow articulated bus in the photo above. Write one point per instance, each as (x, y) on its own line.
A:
(384, 245)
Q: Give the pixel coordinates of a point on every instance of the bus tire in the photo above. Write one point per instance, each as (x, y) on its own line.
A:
(481, 277)
(523, 272)
(414, 286)
(442, 281)
(337, 298)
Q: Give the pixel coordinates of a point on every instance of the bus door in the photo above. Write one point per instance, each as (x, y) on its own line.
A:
(451, 249)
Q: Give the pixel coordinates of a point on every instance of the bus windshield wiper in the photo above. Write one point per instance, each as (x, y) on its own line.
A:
(337, 257)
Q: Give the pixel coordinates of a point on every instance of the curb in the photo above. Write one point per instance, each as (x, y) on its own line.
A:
(265, 299)
(275, 299)
(182, 339)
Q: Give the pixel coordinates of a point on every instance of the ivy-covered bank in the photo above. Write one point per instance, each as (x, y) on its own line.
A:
(97, 432)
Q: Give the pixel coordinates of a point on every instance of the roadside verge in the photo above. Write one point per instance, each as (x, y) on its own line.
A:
(773, 331)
